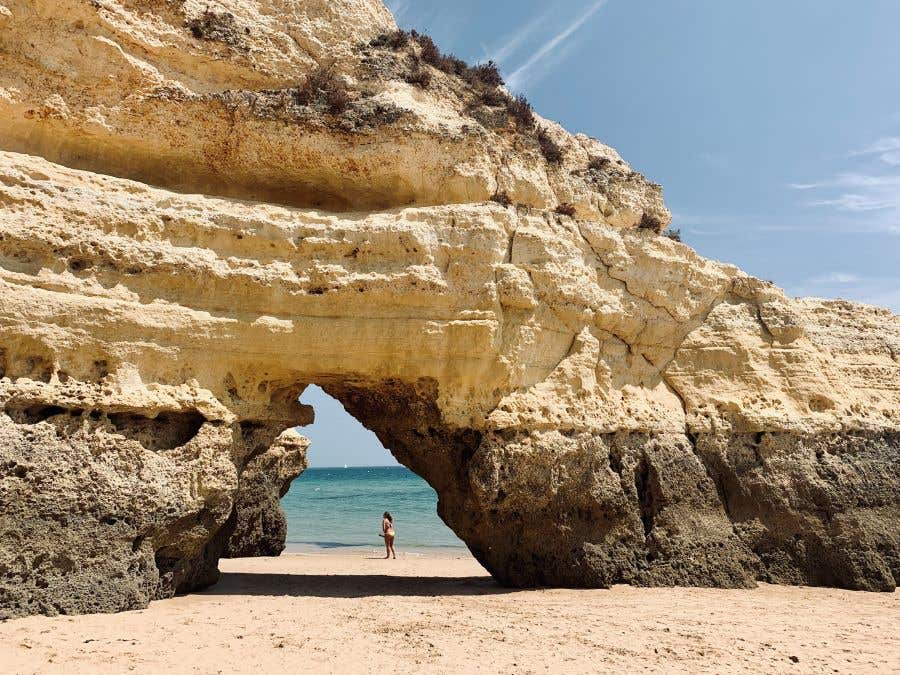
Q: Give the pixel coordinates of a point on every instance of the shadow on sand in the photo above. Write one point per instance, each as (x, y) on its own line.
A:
(351, 585)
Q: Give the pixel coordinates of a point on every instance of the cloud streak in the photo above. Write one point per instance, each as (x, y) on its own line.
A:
(515, 42)
(398, 8)
(870, 194)
(887, 149)
(852, 180)
(527, 71)
(857, 192)
(861, 203)
(887, 144)
(836, 278)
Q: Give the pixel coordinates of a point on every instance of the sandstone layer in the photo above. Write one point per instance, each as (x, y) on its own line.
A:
(594, 403)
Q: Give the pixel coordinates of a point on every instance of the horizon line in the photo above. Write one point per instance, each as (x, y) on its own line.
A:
(357, 466)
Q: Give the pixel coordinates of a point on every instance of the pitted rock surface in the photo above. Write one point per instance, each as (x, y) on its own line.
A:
(593, 403)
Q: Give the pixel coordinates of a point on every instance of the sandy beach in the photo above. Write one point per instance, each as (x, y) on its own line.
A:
(443, 613)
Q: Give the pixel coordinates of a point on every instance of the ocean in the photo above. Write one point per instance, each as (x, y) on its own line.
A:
(330, 509)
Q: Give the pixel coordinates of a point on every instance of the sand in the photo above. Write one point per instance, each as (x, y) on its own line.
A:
(438, 613)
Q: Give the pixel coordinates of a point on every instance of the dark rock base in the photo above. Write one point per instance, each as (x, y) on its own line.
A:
(573, 509)
(101, 514)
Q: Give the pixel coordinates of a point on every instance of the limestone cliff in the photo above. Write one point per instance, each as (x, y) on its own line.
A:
(208, 97)
(593, 403)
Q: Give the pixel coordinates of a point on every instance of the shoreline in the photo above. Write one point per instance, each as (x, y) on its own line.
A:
(366, 551)
(337, 612)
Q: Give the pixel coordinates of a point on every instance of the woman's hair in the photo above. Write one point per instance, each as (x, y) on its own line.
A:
(389, 516)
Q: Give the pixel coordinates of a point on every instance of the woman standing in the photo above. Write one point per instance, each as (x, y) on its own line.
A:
(387, 529)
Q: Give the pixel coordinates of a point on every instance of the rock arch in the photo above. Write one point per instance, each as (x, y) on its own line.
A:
(593, 403)
(562, 414)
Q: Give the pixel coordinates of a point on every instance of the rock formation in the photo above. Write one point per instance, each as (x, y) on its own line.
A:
(593, 403)
(260, 528)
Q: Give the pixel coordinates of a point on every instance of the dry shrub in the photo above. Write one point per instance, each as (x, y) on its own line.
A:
(674, 234)
(566, 209)
(454, 66)
(502, 198)
(485, 74)
(215, 26)
(431, 54)
(484, 78)
(428, 49)
(521, 111)
(551, 151)
(649, 222)
(323, 86)
(396, 40)
(378, 114)
(337, 100)
(599, 163)
(419, 76)
(493, 98)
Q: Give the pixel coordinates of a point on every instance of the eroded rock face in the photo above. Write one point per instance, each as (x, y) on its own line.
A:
(593, 403)
(818, 509)
(203, 97)
(260, 528)
(594, 509)
(100, 512)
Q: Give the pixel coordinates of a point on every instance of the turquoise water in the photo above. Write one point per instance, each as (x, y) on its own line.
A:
(341, 508)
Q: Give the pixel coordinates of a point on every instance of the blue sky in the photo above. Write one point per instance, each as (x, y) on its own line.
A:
(773, 125)
(337, 438)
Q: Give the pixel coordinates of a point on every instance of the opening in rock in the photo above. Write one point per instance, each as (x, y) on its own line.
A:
(34, 414)
(338, 502)
(166, 431)
(646, 483)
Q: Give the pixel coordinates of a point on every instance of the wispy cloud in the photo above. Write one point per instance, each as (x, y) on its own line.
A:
(887, 149)
(860, 193)
(729, 235)
(885, 295)
(399, 8)
(886, 144)
(852, 180)
(528, 71)
(835, 278)
(861, 203)
(444, 21)
(754, 226)
(872, 191)
(514, 42)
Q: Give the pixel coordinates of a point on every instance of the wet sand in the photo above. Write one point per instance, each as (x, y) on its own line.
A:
(443, 613)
